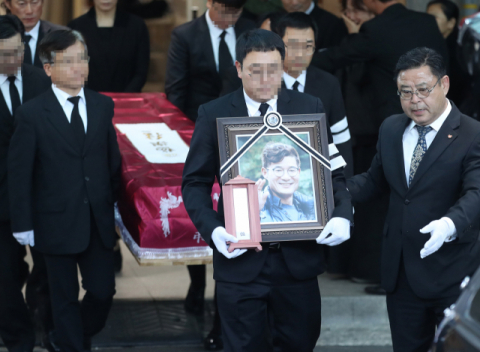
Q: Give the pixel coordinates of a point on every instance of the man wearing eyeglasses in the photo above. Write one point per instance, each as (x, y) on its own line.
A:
(280, 200)
(29, 12)
(429, 159)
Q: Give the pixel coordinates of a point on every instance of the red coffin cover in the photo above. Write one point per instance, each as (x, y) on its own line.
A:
(151, 204)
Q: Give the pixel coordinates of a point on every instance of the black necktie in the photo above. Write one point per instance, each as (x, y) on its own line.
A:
(295, 85)
(76, 122)
(224, 58)
(27, 58)
(263, 108)
(14, 96)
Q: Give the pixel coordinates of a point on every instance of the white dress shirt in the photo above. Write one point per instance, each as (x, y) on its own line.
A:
(289, 80)
(253, 106)
(5, 88)
(310, 9)
(33, 42)
(67, 106)
(410, 140)
(215, 32)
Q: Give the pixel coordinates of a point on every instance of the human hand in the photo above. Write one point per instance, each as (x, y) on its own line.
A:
(440, 231)
(25, 238)
(352, 27)
(340, 230)
(262, 194)
(222, 239)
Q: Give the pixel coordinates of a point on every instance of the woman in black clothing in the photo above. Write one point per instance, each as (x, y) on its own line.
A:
(118, 46)
(446, 13)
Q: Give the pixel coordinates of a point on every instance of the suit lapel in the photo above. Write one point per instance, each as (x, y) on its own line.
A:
(283, 103)
(57, 118)
(28, 85)
(92, 118)
(445, 136)
(398, 159)
(41, 34)
(207, 49)
(238, 107)
(310, 82)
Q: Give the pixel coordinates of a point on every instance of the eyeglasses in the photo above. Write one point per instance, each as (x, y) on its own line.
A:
(308, 49)
(279, 172)
(422, 93)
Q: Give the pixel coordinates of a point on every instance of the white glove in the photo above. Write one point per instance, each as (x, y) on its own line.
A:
(440, 232)
(25, 238)
(340, 230)
(222, 238)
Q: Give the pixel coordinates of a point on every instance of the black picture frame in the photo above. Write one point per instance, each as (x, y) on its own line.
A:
(316, 127)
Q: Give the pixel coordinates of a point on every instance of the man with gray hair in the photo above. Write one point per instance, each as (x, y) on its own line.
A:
(29, 12)
(64, 173)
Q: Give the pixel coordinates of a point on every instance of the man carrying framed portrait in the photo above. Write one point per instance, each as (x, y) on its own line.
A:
(278, 285)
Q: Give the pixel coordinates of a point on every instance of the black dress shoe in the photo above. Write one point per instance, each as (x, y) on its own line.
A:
(375, 290)
(195, 301)
(213, 342)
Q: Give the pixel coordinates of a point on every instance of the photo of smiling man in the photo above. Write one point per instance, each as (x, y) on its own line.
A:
(280, 200)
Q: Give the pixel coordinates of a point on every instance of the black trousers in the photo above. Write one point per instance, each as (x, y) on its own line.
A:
(16, 327)
(75, 322)
(275, 304)
(413, 320)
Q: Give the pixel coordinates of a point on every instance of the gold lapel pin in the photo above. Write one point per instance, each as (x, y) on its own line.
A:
(450, 136)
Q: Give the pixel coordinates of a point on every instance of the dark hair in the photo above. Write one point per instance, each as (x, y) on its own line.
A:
(11, 25)
(273, 16)
(235, 4)
(357, 4)
(275, 152)
(419, 57)
(258, 40)
(58, 41)
(449, 8)
(297, 20)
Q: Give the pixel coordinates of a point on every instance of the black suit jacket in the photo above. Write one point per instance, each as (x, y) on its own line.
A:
(331, 29)
(380, 43)
(325, 86)
(447, 183)
(45, 27)
(35, 82)
(303, 258)
(192, 78)
(54, 186)
(119, 64)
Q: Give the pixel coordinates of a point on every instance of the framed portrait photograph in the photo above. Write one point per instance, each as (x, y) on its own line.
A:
(294, 189)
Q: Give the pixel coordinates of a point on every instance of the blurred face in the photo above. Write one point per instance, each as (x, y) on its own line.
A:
(11, 55)
(261, 74)
(296, 5)
(446, 26)
(283, 177)
(28, 11)
(223, 16)
(356, 15)
(426, 110)
(105, 5)
(300, 46)
(70, 67)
